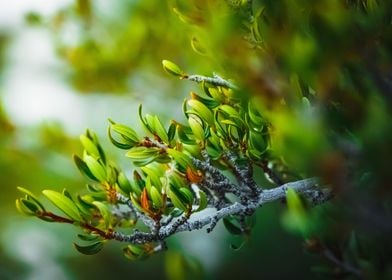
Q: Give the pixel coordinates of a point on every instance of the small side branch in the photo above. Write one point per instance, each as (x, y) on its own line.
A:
(215, 80)
(244, 174)
(145, 219)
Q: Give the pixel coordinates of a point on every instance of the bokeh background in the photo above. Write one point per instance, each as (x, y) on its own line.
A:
(68, 65)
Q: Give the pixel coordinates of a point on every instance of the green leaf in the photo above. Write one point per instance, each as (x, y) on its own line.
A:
(196, 127)
(153, 174)
(253, 154)
(96, 168)
(105, 212)
(128, 136)
(126, 132)
(208, 101)
(142, 153)
(89, 237)
(137, 183)
(306, 103)
(83, 168)
(239, 246)
(230, 122)
(254, 115)
(216, 94)
(257, 142)
(83, 206)
(31, 196)
(171, 133)
(66, 205)
(89, 146)
(229, 110)
(26, 207)
(163, 158)
(213, 153)
(203, 201)
(182, 159)
(124, 183)
(187, 195)
(177, 180)
(294, 202)
(231, 224)
(93, 188)
(156, 197)
(118, 144)
(220, 130)
(67, 194)
(202, 111)
(136, 203)
(142, 119)
(150, 121)
(172, 68)
(160, 130)
(89, 249)
(182, 134)
(178, 199)
(134, 252)
(198, 47)
(192, 150)
(296, 218)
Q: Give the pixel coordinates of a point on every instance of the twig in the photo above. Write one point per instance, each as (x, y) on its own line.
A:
(145, 219)
(215, 80)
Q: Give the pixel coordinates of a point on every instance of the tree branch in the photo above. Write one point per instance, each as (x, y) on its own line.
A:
(196, 222)
(215, 80)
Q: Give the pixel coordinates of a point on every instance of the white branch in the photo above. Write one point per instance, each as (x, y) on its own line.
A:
(216, 80)
(265, 197)
(194, 223)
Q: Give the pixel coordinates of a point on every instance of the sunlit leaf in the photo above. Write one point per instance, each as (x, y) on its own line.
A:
(96, 168)
(105, 212)
(124, 183)
(201, 110)
(172, 68)
(160, 130)
(127, 135)
(89, 145)
(83, 168)
(62, 202)
(196, 127)
(156, 197)
(143, 154)
(181, 158)
(31, 196)
(26, 207)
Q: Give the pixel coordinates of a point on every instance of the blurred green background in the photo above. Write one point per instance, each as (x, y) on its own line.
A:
(70, 65)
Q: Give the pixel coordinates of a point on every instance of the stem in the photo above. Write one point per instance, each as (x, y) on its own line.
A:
(216, 80)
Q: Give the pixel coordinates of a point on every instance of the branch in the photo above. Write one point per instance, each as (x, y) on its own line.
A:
(240, 209)
(216, 80)
(243, 174)
(195, 223)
